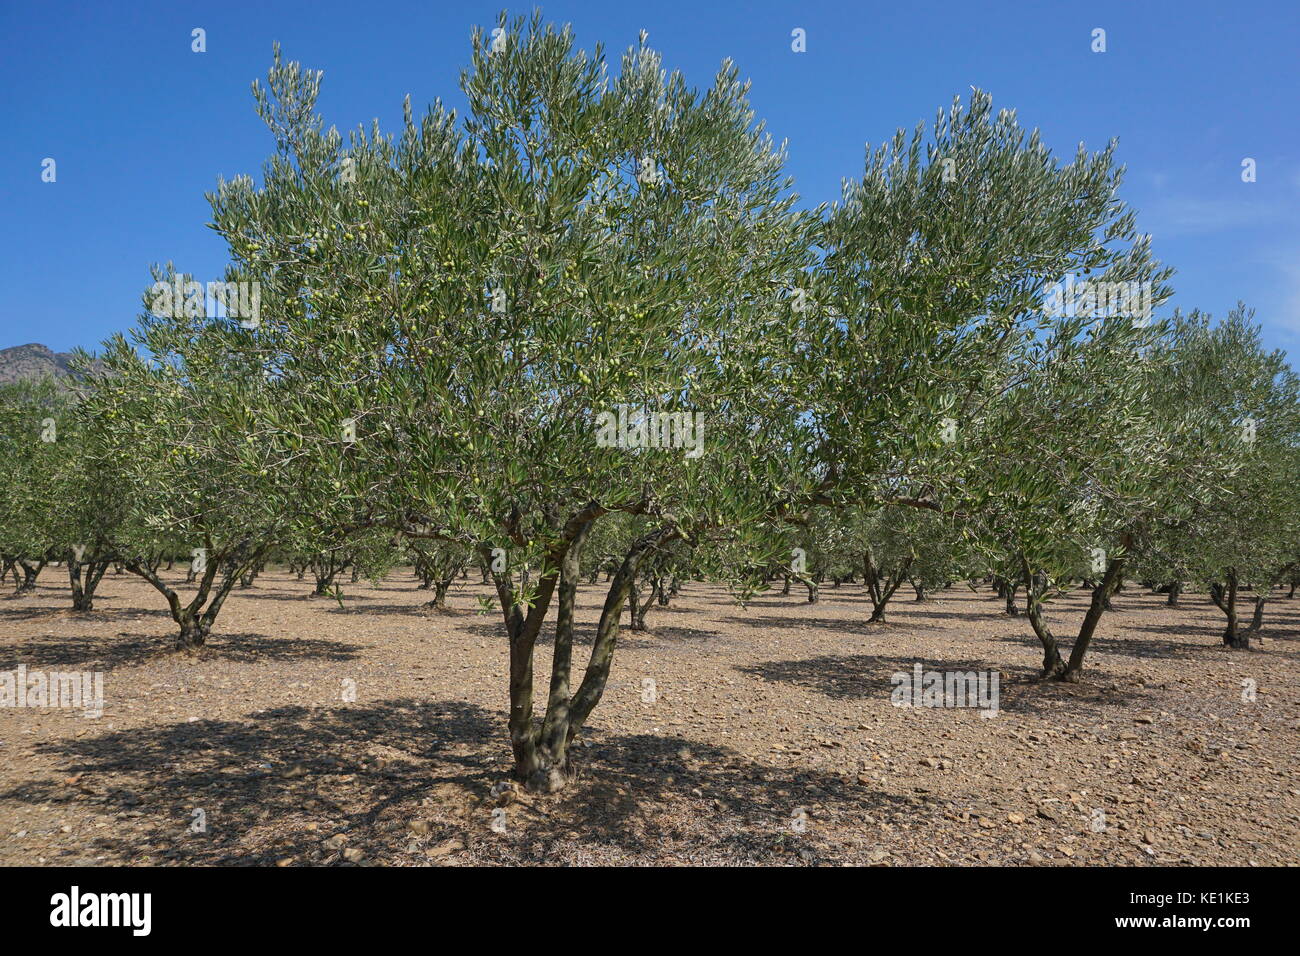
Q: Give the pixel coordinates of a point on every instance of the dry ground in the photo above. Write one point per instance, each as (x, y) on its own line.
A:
(760, 712)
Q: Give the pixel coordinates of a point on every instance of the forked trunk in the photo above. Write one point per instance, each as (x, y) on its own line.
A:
(644, 608)
(191, 637)
(84, 578)
(661, 592)
(881, 588)
(542, 760)
(30, 574)
(324, 575)
(1036, 586)
(195, 619)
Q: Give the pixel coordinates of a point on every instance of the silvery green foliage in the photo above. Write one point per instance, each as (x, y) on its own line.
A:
(472, 293)
(449, 309)
(37, 448)
(929, 294)
(1230, 507)
(479, 425)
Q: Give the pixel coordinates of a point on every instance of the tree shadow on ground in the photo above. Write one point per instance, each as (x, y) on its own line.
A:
(406, 610)
(131, 650)
(675, 799)
(862, 676)
(62, 653)
(822, 623)
(305, 595)
(29, 613)
(851, 676)
(301, 783)
(247, 648)
(1211, 650)
(98, 615)
(1139, 648)
(900, 614)
(584, 634)
(906, 612)
(657, 633)
(339, 767)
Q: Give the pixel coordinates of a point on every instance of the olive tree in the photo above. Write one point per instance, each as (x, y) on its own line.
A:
(500, 330)
(88, 505)
(934, 270)
(1071, 459)
(1234, 518)
(906, 544)
(34, 448)
(174, 414)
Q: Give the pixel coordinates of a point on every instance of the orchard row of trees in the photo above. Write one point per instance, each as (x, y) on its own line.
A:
(446, 313)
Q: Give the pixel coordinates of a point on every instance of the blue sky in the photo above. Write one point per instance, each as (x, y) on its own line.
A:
(140, 126)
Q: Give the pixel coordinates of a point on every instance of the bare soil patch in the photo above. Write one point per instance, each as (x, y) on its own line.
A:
(771, 738)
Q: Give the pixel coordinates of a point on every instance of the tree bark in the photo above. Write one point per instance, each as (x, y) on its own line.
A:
(325, 569)
(1035, 590)
(1233, 635)
(644, 609)
(1100, 602)
(196, 618)
(1257, 619)
(1009, 594)
(554, 765)
(814, 590)
(522, 629)
(193, 634)
(881, 589)
(30, 573)
(602, 652)
(84, 577)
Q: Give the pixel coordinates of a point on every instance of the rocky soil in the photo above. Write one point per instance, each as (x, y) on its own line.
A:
(729, 735)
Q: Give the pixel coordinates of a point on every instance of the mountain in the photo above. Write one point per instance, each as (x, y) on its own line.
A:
(32, 362)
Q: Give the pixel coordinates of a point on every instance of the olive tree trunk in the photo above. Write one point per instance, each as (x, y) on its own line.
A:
(541, 750)
(84, 577)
